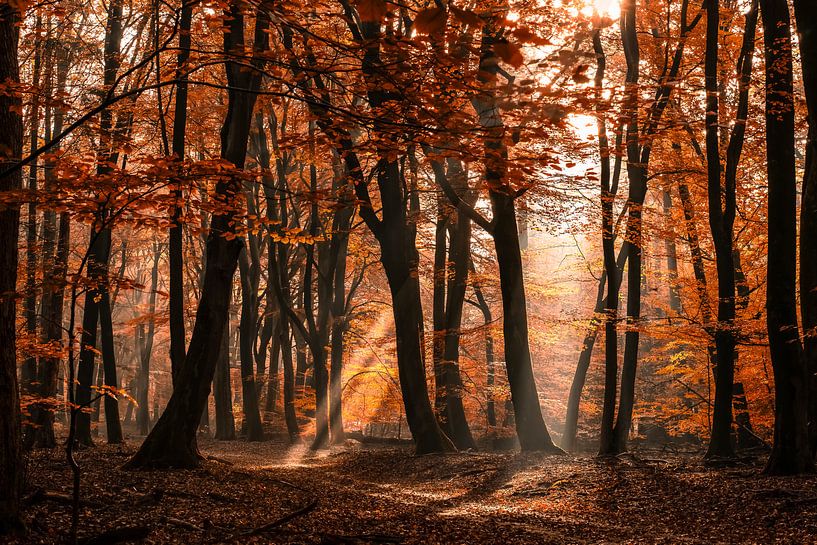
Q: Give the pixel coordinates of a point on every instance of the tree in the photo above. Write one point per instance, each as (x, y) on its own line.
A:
(806, 17)
(791, 453)
(171, 442)
(11, 147)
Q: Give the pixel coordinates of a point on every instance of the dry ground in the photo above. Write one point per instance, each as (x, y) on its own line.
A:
(386, 495)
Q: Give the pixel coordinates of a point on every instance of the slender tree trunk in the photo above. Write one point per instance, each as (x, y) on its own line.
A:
(339, 328)
(100, 245)
(28, 373)
(720, 222)
(112, 424)
(11, 144)
(638, 149)
(289, 385)
(449, 299)
(611, 269)
(176, 249)
(54, 269)
(252, 415)
(490, 364)
(222, 391)
(146, 350)
(272, 376)
(790, 453)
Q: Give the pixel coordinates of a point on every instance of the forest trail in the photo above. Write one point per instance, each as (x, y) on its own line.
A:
(363, 494)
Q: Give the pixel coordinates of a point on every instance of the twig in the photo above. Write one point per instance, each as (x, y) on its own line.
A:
(271, 525)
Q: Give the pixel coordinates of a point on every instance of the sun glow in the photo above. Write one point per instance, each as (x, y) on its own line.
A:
(608, 8)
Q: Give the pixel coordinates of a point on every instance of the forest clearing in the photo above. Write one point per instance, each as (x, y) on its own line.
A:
(408, 271)
(364, 494)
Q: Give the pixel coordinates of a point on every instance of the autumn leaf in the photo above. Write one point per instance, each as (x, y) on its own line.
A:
(371, 10)
(510, 53)
(466, 16)
(430, 21)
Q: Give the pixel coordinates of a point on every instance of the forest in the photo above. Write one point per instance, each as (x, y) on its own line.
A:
(408, 271)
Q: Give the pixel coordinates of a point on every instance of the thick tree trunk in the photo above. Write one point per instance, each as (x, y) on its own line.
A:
(11, 147)
(790, 453)
(805, 13)
(172, 441)
(530, 426)
(398, 254)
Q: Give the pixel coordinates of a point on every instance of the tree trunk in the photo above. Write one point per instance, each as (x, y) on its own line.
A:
(146, 349)
(99, 249)
(28, 372)
(805, 13)
(222, 391)
(252, 415)
(54, 268)
(720, 222)
(611, 268)
(530, 426)
(490, 364)
(449, 294)
(272, 375)
(289, 385)
(112, 423)
(11, 143)
(172, 441)
(339, 327)
(176, 249)
(790, 453)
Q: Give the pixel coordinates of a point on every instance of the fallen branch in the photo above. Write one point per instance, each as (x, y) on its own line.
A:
(181, 523)
(271, 525)
(220, 460)
(41, 495)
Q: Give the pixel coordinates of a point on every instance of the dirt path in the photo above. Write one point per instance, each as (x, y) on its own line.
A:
(386, 495)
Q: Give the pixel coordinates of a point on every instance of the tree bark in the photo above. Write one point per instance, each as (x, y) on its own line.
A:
(790, 453)
(530, 426)
(11, 143)
(222, 391)
(172, 441)
(805, 14)
(252, 415)
(99, 248)
(176, 248)
(55, 268)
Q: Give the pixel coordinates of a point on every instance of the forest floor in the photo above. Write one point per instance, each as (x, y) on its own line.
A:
(272, 493)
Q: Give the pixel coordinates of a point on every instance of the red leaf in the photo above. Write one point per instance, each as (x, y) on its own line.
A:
(510, 53)
(371, 10)
(430, 21)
